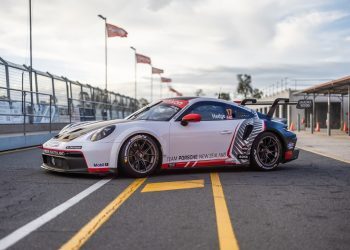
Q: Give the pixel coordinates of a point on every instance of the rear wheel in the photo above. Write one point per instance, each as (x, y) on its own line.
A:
(266, 152)
(140, 156)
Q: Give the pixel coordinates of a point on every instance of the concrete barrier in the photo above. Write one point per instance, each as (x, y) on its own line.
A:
(14, 141)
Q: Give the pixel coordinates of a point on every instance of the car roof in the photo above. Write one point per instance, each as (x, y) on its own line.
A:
(201, 99)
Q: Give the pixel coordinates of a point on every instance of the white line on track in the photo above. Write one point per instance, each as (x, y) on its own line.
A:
(323, 154)
(23, 231)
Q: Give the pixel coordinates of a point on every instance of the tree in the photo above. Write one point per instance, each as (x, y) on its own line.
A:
(224, 96)
(257, 93)
(244, 85)
(199, 92)
(143, 102)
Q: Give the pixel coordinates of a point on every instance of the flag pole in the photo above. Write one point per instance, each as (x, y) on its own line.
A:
(160, 80)
(105, 19)
(135, 93)
(106, 51)
(151, 85)
(30, 53)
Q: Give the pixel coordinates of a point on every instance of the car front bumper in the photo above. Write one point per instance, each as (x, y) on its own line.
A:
(80, 156)
(64, 161)
(69, 162)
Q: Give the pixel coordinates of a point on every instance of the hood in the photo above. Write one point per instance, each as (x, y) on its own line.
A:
(78, 129)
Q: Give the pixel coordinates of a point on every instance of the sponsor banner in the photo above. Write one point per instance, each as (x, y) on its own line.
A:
(304, 104)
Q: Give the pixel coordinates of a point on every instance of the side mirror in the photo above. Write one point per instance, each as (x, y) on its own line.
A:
(190, 118)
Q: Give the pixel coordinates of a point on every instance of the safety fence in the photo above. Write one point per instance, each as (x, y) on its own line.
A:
(49, 98)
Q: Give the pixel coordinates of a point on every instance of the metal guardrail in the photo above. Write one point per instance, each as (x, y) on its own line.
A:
(51, 99)
(24, 112)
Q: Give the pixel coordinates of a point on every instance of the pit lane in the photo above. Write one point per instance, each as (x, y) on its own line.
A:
(304, 204)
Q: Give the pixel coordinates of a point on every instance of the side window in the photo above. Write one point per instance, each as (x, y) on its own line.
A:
(210, 111)
(240, 113)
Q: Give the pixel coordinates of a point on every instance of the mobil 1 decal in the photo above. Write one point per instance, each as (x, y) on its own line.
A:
(247, 132)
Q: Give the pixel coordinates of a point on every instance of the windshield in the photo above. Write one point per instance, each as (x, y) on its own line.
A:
(162, 111)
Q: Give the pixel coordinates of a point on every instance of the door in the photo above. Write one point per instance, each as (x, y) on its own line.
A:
(207, 140)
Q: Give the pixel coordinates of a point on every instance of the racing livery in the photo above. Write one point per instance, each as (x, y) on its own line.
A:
(184, 132)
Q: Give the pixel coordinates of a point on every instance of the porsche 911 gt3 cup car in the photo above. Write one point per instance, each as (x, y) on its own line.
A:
(186, 132)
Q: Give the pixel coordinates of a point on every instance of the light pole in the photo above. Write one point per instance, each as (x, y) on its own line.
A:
(135, 93)
(30, 42)
(105, 19)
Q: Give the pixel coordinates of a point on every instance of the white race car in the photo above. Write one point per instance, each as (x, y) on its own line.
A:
(186, 132)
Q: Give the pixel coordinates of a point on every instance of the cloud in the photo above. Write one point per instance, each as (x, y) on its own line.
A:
(297, 31)
(212, 79)
(199, 43)
(156, 5)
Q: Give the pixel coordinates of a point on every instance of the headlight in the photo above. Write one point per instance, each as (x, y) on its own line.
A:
(102, 133)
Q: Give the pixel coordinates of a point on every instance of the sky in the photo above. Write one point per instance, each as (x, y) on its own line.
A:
(201, 44)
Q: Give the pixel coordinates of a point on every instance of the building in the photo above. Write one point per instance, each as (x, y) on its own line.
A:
(331, 100)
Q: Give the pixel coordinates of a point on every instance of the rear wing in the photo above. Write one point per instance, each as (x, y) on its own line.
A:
(301, 104)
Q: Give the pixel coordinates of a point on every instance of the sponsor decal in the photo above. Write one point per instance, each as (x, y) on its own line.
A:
(196, 157)
(74, 147)
(53, 152)
(242, 157)
(218, 116)
(103, 164)
(229, 114)
(178, 103)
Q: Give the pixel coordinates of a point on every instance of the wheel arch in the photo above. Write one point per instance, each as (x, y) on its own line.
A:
(283, 145)
(140, 133)
(280, 137)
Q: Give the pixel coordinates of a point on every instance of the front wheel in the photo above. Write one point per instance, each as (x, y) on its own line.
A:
(266, 152)
(139, 156)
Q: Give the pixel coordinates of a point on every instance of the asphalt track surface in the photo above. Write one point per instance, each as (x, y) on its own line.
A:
(304, 204)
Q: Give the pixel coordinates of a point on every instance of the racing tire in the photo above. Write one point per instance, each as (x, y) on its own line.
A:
(266, 153)
(140, 156)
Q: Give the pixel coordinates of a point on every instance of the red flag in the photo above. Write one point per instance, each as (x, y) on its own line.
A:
(164, 79)
(113, 30)
(143, 59)
(175, 91)
(157, 71)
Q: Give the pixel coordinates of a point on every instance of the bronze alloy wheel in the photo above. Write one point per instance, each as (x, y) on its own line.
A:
(266, 151)
(140, 156)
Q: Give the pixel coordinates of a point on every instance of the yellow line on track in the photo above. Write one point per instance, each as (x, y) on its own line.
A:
(172, 185)
(227, 238)
(79, 239)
